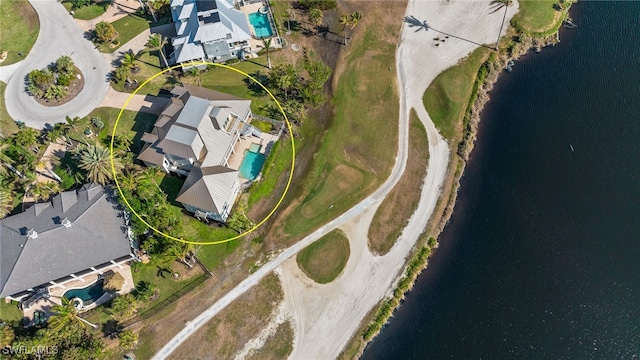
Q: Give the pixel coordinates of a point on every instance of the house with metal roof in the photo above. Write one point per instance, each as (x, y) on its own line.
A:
(59, 242)
(194, 136)
(208, 30)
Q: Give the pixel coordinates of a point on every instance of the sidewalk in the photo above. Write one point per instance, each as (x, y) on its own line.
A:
(143, 103)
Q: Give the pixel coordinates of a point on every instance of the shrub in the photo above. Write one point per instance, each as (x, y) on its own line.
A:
(42, 79)
(97, 122)
(104, 31)
(65, 79)
(68, 181)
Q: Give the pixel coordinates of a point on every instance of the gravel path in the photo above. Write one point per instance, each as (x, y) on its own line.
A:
(59, 35)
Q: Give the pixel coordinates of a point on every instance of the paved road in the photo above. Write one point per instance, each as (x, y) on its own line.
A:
(59, 35)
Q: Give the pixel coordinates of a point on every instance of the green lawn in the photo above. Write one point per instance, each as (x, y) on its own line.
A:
(325, 259)
(234, 83)
(149, 65)
(90, 11)
(7, 124)
(165, 286)
(129, 27)
(537, 16)
(447, 96)
(10, 312)
(365, 111)
(19, 28)
(131, 125)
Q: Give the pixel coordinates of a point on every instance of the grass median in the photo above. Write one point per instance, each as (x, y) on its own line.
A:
(393, 215)
(325, 259)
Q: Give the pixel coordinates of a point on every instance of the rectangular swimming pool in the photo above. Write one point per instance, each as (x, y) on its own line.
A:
(261, 25)
(251, 165)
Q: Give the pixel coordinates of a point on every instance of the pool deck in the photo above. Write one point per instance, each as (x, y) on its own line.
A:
(57, 292)
(235, 160)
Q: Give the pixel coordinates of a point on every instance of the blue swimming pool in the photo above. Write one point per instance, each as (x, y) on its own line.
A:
(251, 165)
(260, 23)
(87, 294)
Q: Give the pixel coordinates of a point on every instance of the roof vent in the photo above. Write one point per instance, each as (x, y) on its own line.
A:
(65, 222)
(32, 234)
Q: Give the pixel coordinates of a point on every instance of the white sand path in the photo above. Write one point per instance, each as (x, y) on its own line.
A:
(325, 316)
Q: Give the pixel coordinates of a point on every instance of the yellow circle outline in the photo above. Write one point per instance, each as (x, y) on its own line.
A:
(115, 177)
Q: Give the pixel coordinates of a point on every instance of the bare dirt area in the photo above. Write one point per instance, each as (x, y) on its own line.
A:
(227, 333)
(396, 209)
(278, 346)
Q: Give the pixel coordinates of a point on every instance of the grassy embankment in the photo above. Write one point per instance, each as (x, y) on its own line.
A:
(352, 159)
(90, 11)
(325, 259)
(454, 100)
(229, 331)
(19, 26)
(393, 214)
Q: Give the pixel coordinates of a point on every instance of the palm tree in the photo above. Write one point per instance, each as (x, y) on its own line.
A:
(128, 339)
(6, 162)
(181, 252)
(355, 18)
(157, 41)
(124, 305)
(130, 59)
(143, 291)
(315, 16)
(66, 314)
(267, 48)
(499, 4)
(96, 160)
(345, 21)
(74, 123)
(129, 181)
(65, 65)
(195, 72)
(6, 202)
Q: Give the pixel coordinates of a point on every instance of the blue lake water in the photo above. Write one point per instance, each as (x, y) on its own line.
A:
(541, 258)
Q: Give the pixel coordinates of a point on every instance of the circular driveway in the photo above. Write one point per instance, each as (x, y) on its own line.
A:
(59, 35)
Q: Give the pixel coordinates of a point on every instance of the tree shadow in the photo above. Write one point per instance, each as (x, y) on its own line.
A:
(414, 22)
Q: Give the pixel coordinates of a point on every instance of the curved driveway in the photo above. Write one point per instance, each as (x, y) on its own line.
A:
(59, 35)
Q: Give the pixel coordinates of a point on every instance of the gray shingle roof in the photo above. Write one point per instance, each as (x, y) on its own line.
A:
(97, 235)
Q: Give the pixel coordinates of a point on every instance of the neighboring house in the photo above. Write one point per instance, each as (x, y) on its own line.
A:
(76, 234)
(195, 135)
(208, 30)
